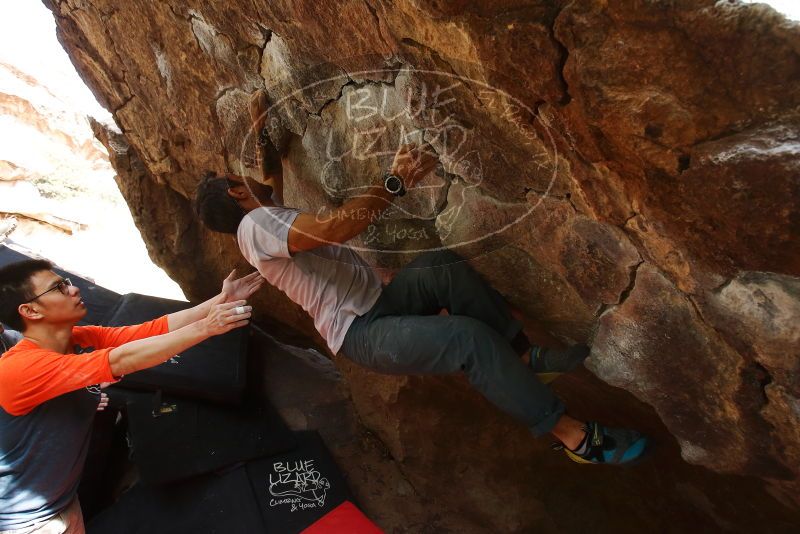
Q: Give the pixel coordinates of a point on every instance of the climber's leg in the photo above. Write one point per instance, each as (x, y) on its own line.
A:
(419, 345)
(443, 279)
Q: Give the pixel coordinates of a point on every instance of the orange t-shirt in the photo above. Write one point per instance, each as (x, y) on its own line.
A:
(30, 375)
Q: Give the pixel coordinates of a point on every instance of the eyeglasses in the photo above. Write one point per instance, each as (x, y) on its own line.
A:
(63, 286)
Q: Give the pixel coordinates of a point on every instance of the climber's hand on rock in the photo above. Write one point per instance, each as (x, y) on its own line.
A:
(413, 163)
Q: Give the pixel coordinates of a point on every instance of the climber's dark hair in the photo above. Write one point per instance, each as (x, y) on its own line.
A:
(16, 289)
(215, 207)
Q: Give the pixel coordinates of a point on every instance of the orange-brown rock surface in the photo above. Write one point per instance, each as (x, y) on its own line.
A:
(624, 172)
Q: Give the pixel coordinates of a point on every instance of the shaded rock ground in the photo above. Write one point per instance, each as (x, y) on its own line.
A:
(308, 392)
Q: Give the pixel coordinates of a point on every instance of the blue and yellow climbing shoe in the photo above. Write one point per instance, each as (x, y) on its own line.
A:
(548, 364)
(603, 445)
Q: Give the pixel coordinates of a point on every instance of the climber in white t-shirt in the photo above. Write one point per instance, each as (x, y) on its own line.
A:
(397, 329)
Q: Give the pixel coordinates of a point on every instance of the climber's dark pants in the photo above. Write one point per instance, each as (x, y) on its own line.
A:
(403, 334)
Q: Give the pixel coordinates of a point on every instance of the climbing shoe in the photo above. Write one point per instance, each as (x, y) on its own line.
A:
(603, 445)
(548, 364)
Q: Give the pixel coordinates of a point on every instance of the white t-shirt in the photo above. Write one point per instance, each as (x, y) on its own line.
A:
(332, 282)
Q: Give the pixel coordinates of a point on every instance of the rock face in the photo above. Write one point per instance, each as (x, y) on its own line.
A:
(624, 172)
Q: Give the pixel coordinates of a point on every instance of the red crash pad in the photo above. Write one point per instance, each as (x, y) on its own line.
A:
(344, 519)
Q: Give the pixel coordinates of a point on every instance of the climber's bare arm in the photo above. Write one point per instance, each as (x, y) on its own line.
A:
(338, 225)
(270, 160)
(341, 224)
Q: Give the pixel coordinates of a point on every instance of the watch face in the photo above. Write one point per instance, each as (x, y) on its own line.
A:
(393, 184)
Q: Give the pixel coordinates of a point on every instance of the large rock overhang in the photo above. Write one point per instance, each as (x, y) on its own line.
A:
(636, 188)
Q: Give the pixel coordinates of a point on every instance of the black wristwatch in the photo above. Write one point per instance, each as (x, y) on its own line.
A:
(394, 184)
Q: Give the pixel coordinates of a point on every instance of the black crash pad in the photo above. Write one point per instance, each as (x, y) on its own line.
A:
(281, 494)
(211, 504)
(99, 300)
(213, 370)
(296, 489)
(172, 438)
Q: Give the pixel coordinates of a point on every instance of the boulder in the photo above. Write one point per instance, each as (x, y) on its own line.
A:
(624, 172)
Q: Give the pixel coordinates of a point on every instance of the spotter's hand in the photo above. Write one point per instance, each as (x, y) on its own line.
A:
(225, 317)
(240, 288)
(103, 402)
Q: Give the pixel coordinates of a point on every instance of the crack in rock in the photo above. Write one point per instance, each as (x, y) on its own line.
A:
(623, 296)
(628, 290)
(419, 46)
(125, 103)
(267, 33)
(187, 18)
(563, 53)
(568, 198)
(350, 83)
(764, 378)
(629, 219)
(338, 97)
(378, 23)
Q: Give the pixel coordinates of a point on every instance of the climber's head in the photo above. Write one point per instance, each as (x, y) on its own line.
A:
(221, 201)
